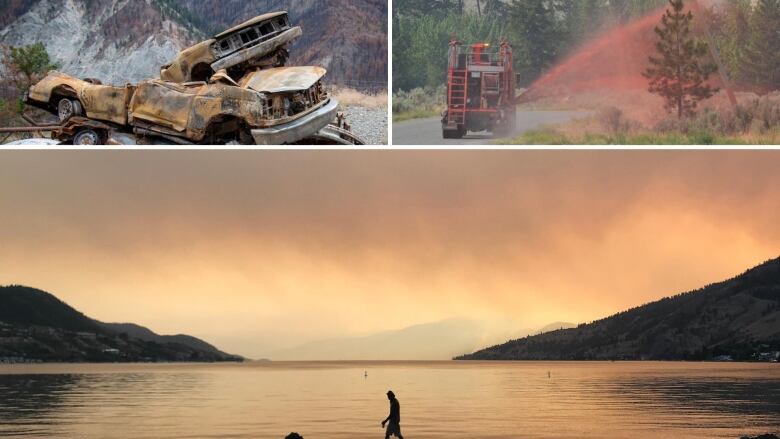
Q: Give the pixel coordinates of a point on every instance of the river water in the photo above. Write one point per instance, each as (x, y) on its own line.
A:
(438, 400)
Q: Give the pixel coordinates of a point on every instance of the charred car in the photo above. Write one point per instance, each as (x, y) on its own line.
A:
(67, 97)
(268, 107)
(257, 43)
(232, 88)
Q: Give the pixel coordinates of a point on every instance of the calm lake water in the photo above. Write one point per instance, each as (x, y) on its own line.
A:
(438, 400)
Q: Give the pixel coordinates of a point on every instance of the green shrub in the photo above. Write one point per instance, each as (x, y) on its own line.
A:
(757, 117)
(702, 137)
(419, 102)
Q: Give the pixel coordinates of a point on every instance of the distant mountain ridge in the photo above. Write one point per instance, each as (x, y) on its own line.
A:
(738, 318)
(37, 326)
(429, 341)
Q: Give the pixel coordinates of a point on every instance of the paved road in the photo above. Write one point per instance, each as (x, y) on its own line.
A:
(428, 131)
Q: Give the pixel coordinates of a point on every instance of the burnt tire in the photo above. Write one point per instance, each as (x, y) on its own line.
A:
(453, 134)
(245, 137)
(67, 108)
(88, 137)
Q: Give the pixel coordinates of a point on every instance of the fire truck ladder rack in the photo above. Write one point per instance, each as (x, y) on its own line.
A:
(457, 96)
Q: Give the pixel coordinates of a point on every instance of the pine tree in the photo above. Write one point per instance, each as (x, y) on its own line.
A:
(419, 8)
(495, 9)
(761, 63)
(730, 25)
(679, 74)
(27, 64)
(584, 19)
(536, 36)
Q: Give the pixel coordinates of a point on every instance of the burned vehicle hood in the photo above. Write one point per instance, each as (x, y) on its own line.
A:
(283, 79)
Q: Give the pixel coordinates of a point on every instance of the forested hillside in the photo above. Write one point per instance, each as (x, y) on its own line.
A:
(738, 318)
(544, 32)
(36, 326)
(747, 34)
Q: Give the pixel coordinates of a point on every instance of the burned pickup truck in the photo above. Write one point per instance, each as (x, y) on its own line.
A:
(258, 43)
(251, 98)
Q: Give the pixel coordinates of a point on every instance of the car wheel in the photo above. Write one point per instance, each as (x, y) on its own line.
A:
(67, 108)
(87, 137)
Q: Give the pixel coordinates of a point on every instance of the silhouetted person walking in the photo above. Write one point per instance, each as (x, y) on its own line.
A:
(393, 420)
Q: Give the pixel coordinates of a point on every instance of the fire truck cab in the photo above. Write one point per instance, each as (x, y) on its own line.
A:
(480, 90)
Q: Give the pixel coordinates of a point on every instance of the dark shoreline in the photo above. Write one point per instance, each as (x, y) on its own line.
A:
(375, 362)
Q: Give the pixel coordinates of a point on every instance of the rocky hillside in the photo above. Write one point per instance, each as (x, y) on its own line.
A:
(36, 326)
(738, 318)
(117, 41)
(346, 37)
(122, 41)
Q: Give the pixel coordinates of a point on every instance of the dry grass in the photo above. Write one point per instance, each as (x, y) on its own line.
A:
(752, 122)
(639, 118)
(349, 97)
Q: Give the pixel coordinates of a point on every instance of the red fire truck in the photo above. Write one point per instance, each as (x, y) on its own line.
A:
(480, 90)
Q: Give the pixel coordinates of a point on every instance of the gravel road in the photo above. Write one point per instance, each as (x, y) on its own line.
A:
(369, 123)
(428, 131)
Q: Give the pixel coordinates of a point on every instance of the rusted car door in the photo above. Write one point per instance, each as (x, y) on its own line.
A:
(106, 103)
(165, 104)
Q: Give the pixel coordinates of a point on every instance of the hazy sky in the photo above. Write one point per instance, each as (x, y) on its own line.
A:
(255, 251)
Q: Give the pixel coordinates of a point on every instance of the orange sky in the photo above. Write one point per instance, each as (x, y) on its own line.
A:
(256, 251)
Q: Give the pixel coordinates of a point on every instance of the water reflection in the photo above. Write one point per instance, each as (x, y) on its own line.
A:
(703, 403)
(748, 397)
(31, 402)
(439, 400)
(66, 405)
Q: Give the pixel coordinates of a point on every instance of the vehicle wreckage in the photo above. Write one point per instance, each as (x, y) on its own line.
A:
(233, 88)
